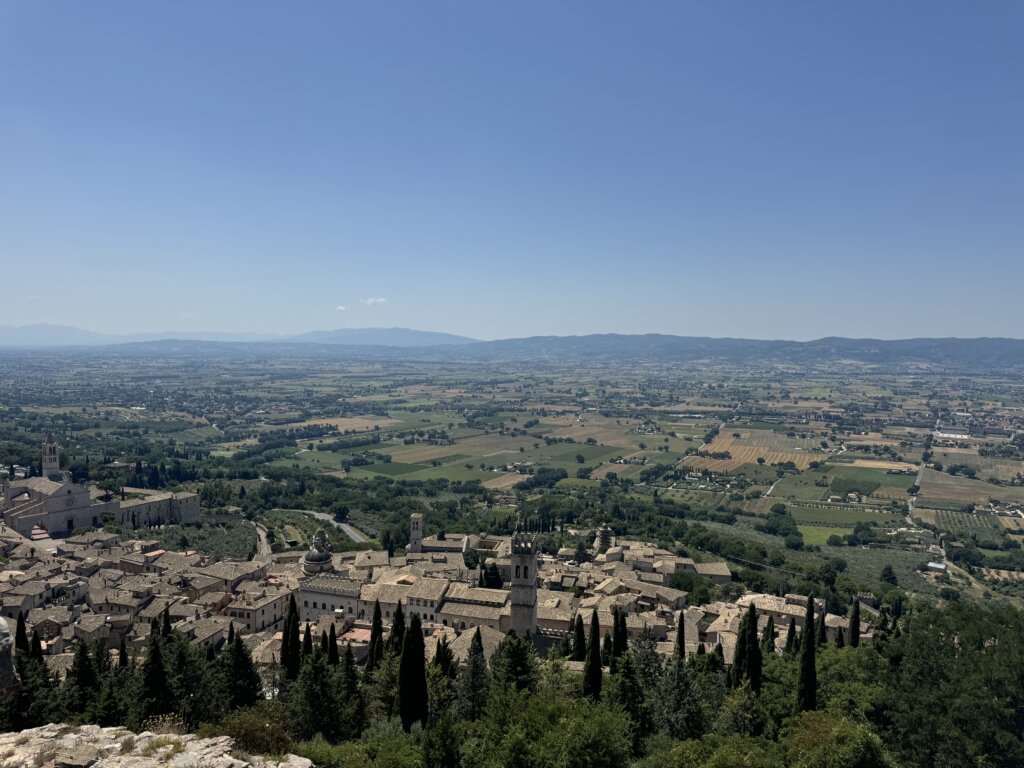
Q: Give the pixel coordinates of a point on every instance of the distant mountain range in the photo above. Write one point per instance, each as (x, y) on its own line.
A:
(398, 343)
(66, 336)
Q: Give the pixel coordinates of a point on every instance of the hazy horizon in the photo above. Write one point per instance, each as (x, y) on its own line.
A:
(763, 171)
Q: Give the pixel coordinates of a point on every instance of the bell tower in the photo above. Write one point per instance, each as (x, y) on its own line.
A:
(51, 457)
(415, 533)
(524, 582)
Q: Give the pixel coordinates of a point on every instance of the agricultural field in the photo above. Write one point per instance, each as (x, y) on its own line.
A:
(939, 487)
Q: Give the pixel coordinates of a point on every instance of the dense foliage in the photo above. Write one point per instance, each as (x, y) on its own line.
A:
(938, 688)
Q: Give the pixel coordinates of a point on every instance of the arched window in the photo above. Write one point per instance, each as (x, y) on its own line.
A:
(517, 571)
(526, 571)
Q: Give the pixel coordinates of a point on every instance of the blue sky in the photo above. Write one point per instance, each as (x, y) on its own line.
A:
(767, 170)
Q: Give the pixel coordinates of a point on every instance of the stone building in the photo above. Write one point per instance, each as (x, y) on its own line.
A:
(53, 505)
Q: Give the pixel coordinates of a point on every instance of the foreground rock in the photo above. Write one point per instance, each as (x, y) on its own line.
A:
(89, 746)
(8, 674)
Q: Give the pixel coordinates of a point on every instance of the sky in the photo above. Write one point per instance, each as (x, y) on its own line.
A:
(755, 169)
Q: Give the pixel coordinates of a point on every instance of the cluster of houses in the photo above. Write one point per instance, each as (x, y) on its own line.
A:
(95, 585)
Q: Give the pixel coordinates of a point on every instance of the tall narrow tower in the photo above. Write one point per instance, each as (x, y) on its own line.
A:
(51, 457)
(524, 582)
(415, 533)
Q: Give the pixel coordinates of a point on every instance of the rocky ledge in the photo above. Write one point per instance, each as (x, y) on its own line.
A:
(90, 746)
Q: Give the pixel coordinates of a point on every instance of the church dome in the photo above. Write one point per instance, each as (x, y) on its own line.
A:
(318, 559)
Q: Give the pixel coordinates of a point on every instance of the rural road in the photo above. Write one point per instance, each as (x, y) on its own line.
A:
(352, 533)
(263, 545)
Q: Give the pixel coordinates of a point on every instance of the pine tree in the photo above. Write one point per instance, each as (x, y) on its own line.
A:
(375, 650)
(855, 624)
(807, 685)
(579, 643)
(473, 684)
(680, 715)
(790, 638)
(592, 665)
(412, 677)
(21, 635)
(396, 640)
(515, 662)
(332, 647)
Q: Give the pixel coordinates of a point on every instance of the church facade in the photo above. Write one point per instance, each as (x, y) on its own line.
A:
(53, 505)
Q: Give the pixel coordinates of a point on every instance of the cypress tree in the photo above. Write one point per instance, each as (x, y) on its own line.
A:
(122, 655)
(807, 684)
(473, 684)
(579, 642)
(592, 665)
(621, 636)
(245, 687)
(412, 677)
(307, 642)
(323, 643)
(154, 695)
(80, 687)
(332, 647)
(444, 659)
(396, 640)
(231, 632)
(768, 637)
(36, 650)
(375, 650)
(753, 672)
(680, 650)
(314, 702)
(820, 635)
(165, 625)
(855, 624)
(738, 671)
(606, 650)
(790, 638)
(840, 638)
(353, 708)
(21, 635)
(294, 647)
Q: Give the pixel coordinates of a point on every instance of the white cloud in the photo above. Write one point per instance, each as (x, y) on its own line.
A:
(373, 302)
(340, 308)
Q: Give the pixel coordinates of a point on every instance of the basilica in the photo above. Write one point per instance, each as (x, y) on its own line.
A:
(53, 505)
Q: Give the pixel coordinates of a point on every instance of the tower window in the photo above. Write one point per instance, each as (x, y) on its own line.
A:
(526, 571)
(517, 571)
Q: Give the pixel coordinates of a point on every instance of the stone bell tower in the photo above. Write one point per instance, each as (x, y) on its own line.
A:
(415, 533)
(51, 457)
(524, 582)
